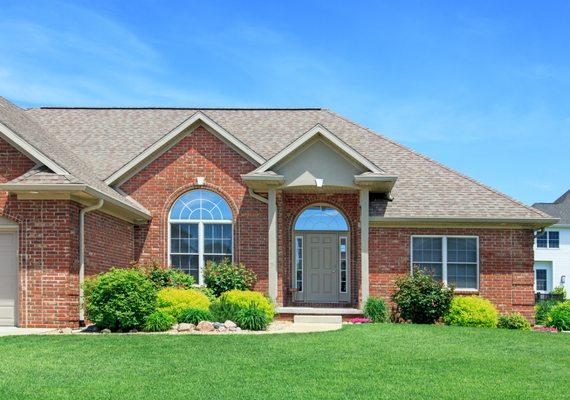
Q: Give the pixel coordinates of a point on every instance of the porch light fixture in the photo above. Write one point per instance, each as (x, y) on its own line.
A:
(200, 180)
(319, 182)
(563, 279)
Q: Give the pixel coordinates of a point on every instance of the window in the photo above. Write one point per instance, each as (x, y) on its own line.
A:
(541, 280)
(321, 218)
(200, 231)
(343, 259)
(454, 260)
(548, 240)
(299, 262)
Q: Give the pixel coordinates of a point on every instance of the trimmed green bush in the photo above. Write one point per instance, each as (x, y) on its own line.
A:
(542, 310)
(159, 321)
(230, 303)
(195, 315)
(513, 321)
(472, 311)
(225, 276)
(119, 299)
(421, 299)
(559, 316)
(252, 318)
(174, 301)
(376, 310)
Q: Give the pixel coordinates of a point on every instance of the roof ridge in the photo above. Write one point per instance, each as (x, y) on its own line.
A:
(180, 108)
(461, 175)
(563, 198)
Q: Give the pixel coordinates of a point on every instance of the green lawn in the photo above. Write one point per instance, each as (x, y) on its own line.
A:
(374, 361)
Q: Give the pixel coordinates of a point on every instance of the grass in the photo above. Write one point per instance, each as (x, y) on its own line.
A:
(357, 362)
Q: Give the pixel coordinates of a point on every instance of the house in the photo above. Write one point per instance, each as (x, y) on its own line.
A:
(325, 211)
(552, 248)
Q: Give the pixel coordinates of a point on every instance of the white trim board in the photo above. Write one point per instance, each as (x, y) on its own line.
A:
(319, 130)
(173, 137)
(18, 142)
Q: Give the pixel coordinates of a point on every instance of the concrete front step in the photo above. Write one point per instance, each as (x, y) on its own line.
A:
(317, 319)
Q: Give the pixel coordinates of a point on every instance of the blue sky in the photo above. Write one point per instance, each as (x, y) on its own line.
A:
(483, 87)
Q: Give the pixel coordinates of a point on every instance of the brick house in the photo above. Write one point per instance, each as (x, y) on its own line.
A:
(326, 212)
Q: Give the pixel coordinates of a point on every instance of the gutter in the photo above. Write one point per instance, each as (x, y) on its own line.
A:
(82, 257)
(539, 222)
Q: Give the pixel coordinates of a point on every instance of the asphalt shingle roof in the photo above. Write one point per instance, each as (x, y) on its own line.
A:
(559, 209)
(106, 139)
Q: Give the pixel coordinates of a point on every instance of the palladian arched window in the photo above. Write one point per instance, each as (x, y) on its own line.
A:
(321, 218)
(200, 224)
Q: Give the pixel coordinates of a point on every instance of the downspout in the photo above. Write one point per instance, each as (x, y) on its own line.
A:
(82, 256)
(257, 196)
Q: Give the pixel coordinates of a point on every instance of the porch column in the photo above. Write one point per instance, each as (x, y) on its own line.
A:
(272, 227)
(364, 211)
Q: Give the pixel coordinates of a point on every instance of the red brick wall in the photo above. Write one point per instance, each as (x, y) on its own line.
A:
(172, 174)
(289, 206)
(109, 242)
(506, 263)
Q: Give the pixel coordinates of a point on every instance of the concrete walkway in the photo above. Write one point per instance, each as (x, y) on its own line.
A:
(14, 331)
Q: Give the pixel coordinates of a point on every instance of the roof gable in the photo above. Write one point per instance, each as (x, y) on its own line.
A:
(173, 137)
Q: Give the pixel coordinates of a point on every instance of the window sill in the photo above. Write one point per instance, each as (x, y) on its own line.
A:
(466, 291)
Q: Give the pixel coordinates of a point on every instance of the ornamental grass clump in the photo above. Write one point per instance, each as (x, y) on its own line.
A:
(421, 299)
(159, 321)
(120, 299)
(195, 315)
(230, 303)
(513, 321)
(472, 311)
(252, 318)
(376, 310)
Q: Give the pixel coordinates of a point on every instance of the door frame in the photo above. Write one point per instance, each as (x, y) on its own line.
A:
(9, 226)
(298, 296)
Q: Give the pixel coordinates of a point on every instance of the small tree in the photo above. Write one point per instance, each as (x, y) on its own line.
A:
(422, 299)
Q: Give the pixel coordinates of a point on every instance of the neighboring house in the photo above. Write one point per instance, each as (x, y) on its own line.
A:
(325, 212)
(552, 248)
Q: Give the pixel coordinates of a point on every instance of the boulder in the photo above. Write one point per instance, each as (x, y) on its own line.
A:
(106, 330)
(230, 324)
(217, 325)
(184, 327)
(90, 329)
(205, 326)
(133, 331)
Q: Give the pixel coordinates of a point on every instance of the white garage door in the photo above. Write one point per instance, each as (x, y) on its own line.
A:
(8, 279)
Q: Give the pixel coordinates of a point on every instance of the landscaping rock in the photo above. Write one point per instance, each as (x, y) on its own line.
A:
(230, 324)
(174, 327)
(90, 329)
(217, 325)
(133, 331)
(184, 327)
(106, 330)
(222, 329)
(66, 331)
(235, 329)
(205, 326)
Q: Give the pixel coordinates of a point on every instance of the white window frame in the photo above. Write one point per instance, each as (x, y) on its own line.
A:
(444, 257)
(549, 282)
(297, 237)
(201, 223)
(547, 232)
(340, 239)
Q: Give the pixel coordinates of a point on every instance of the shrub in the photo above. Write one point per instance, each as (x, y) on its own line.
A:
(195, 315)
(209, 293)
(174, 300)
(561, 291)
(159, 321)
(472, 311)
(168, 277)
(224, 276)
(559, 316)
(513, 321)
(252, 318)
(376, 310)
(230, 303)
(120, 299)
(542, 309)
(421, 299)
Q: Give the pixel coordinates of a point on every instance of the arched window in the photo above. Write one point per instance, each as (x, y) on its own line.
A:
(200, 230)
(321, 218)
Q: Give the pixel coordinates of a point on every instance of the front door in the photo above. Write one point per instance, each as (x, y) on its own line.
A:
(321, 268)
